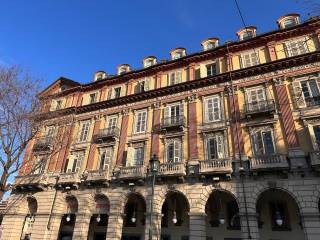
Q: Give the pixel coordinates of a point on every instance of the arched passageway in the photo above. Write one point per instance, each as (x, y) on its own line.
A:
(68, 219)
(134, 218)
(222, 220)
(278, 216)
(175, 218)
(99, 219)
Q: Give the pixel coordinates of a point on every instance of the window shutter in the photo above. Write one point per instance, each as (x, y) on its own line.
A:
(169, 79)
(220, 146)
(109, 93)
(208, 150)
(166, 113)
(178, 77)
(206, 110)
(130, 156)
(298, 94)
(79, 162)
(181, 110)
(109, 153)
(123, 91)
(137, 88)
(147, 84)
(177, 151)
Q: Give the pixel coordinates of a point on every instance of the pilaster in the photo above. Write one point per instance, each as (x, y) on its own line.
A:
(311, 225)
(153, 231)
(123, 137)
(272, 51)
(249, 226)
(81, 227)
(93, 146)
(197, 225)
(115, 223)
(155, 141)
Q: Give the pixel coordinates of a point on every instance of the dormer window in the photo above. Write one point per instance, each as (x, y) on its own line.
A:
(149, 61)
(178, 53)
(288, 21)
(247, 33)
(124, 68)
(210, 43)
(99, 75)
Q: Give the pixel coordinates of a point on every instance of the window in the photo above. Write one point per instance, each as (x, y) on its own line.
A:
(93, 98)
(112, 121)
(138, 157)
(247, 35)
(142, 86)
(173, 151)
(294, 48)
(39, 164)
(209, 46)
(75, 162)
(105, 157)
(84, 131)
(148, 62)
(215, 146)
(310, 92)
(212, 109)
(290, 22)
(174, 78)
(59, 104)
(117, 92)
(263, 142)
(256, 98)
(173, 114)
(50, 132)
(316, 130)
(177, 55)
(249, 59)
(211, 69)
(141, 121)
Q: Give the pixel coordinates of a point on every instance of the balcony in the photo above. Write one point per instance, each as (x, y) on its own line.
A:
(276, 161)
(35, 179)
(315, 159)
(172, 169)
(106, 134)
(216, 166)
(43, 144)
(312, 101)
(69, 178)
(132, 172)
(173, 123)
(98, 175)
(261, 107)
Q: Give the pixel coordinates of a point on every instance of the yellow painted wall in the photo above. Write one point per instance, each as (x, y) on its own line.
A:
(236, 62)
(280, 51)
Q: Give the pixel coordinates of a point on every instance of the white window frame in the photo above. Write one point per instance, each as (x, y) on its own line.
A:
(177, 55)
(39, 164)
(174, 77)
(221, 150)
(107, 153)
(141, 121)
(301, 48)
(177, 150)
(136, 161)
(112, 121)
(251, 62)
(84, 130)
(50, 131)
(206, 108)
(75, 163)
(95, 94)
(211, 70)
(262, 130)
(114, 92)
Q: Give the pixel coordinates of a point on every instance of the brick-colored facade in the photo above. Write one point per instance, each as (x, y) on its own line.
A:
(236, 129)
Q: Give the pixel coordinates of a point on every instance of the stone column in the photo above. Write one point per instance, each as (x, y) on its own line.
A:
(123, 137)
(40, 226)
(155, 233)
(311, 225)
(53, 226)
(296, 155)
(249, 223)
(115, 222)
(81, 227)
(197, 225)
(156, 122)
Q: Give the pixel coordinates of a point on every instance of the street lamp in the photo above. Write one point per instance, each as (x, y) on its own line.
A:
(154, 164)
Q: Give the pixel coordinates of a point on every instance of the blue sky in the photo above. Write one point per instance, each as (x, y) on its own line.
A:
(74, 38)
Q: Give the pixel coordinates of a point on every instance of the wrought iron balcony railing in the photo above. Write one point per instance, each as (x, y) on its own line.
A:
(312, 101)
(259, 107)
(174, 121)
(107, 134)
(216, 166)
(43, 144)
(172, 169)
(132, 172)
(269, 162)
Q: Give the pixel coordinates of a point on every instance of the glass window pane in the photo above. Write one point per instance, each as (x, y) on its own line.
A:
(268, 142)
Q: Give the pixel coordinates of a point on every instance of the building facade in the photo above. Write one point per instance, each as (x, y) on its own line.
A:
(236, 128)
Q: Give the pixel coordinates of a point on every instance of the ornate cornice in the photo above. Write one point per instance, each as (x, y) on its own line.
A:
(261, 69)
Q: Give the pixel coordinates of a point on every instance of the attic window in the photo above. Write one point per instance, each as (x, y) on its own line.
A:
(290, 22)
(177, 55)
(122, 69)
(247, 35)
(148, 63)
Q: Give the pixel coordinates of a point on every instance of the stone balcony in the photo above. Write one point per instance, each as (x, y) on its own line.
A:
(106, 134)
(275, 161)
(132, 172)
(42, 144)
(257, 108)
(172, 169)
(69, 178)
(315, 159)
(98, 175)
(173, 123)
(216, 166)
(34, 179)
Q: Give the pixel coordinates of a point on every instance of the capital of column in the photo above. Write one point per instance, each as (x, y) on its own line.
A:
(231, 89)
(125, 112)
(156, 105)
(193, 98)
(279, 80)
